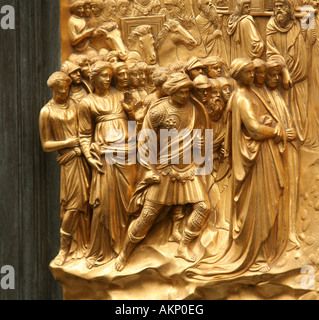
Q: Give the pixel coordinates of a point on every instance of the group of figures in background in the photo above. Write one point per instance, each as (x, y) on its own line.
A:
(259, 98)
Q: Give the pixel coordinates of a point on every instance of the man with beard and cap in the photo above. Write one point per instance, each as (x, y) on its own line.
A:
(170, 178)
(201, 90)
(78, 90)
(287, 41)
(203, 96)
(210, 30)
(246, 41)
(290, 150)
(215, 106)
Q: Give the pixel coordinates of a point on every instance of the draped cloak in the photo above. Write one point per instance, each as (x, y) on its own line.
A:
(289, 151)
(314, 81)
(215, 47)
(257, 216)
(104, 130)
(75, 175)
(246, 39)
(289, 46)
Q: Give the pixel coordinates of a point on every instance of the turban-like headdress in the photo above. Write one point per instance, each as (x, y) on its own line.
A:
(201, 82)
(177, 81)
(238, 65)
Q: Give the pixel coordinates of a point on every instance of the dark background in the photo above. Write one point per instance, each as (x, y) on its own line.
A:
(29, 188)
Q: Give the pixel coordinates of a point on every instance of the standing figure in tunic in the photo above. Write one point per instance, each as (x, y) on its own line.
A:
(171, 183)
(59, 132)
(103, 131)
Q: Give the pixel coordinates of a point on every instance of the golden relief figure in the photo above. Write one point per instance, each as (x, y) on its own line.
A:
(188, 138)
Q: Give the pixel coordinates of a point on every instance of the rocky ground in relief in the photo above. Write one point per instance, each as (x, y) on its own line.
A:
(153, 273)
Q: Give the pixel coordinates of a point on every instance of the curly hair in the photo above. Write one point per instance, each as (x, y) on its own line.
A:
(97, 68)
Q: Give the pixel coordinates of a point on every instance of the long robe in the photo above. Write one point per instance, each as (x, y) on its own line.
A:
(75, 175)
(289, 45)
(276, 104)
(215, 47)
(314, 80)
(104, 129)
(246, 41)
(258, 204)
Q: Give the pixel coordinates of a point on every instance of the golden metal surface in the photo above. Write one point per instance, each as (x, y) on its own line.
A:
(241, 224)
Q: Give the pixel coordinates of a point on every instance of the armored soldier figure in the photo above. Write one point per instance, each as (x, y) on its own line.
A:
(170, 180)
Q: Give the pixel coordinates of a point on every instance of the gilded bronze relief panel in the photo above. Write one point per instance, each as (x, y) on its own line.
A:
(188, 138)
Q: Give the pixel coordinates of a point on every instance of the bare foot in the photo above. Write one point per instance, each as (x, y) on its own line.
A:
(120, 263)
(262, 267)
(265, 268)
(186, 254)
(60, 259)
(90, 262)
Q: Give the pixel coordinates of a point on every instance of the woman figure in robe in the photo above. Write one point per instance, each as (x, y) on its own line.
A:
(103, 130)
